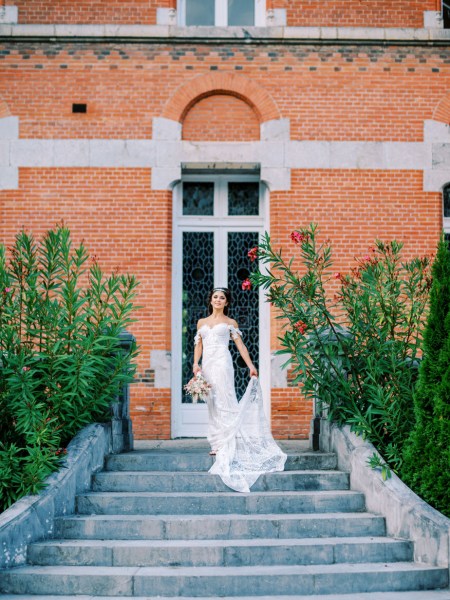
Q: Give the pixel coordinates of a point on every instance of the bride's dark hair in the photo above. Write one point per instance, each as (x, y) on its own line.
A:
(227, 294)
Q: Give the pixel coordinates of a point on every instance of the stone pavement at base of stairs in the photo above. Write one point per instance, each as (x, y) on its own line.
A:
(422, 595)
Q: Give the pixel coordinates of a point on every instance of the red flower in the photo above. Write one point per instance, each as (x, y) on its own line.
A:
(298, 237)
(246, 284)
(337, 275)
(253, 253)
(301, 327)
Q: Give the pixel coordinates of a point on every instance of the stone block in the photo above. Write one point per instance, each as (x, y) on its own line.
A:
(166, 129)
(275, 130)
(435, 131)
(308, 155)
(32, 153)
(360, 33)
(276, 179)
(433, 19)
(405, 155)
(435, 179)
(356, 155)
(160, 362)
(165, 178)
(32, 30)
(166, 16)
(276, 17)
(441, 156)
(9, 128)
(302, 33)
(71, 153)
(9, 178)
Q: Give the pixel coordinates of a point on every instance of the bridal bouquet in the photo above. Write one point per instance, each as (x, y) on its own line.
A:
(198, 388)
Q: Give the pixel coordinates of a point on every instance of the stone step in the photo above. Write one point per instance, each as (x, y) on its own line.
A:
(157, 503)
(211, 527)
(410, 595)
(220, 581)
(168, 481)
(176, 553)
(164, 460)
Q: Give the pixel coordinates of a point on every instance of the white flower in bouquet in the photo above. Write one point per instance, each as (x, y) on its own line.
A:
(198, 388)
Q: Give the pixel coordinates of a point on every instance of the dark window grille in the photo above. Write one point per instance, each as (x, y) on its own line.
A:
(446, 13)
(446, 200)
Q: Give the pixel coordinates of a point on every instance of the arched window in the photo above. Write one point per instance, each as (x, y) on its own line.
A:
(446, 13)
(446, 211)
(221, 13)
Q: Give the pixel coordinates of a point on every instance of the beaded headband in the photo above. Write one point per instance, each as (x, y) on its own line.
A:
(220, 289)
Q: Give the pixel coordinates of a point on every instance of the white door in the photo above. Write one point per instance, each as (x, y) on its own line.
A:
(216, 221)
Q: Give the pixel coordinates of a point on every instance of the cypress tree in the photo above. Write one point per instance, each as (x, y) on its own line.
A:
(426, 467)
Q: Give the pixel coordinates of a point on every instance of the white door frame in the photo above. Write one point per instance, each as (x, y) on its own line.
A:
(197, 223)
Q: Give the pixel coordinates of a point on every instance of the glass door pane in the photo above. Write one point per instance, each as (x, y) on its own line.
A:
(198, 280)
(245, 308)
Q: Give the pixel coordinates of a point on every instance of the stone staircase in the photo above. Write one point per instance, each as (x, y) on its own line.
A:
(156, 524)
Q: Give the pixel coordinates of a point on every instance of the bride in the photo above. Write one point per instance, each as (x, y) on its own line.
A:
(238, 432)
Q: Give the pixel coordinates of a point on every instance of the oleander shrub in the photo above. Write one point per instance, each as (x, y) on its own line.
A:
(426, 454)
(61, 365)
(352, 340)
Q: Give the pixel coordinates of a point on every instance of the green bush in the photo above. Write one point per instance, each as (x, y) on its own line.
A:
(60, 361)
(355, 353)
(426, 465)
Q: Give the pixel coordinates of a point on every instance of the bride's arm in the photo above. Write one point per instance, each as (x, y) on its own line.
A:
(198, 348)
(243, 351)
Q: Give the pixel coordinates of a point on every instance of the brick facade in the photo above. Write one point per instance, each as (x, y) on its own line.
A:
(299, 13)
(221, 91)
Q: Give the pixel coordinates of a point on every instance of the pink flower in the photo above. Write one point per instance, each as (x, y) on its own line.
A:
(366, 257)
(7, 290)
(337, 275)
(25, 368)
(246, 284)
(301, 327)
(253, 253)
(297, 237)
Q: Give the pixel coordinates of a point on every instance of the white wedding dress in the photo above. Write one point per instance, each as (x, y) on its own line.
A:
(237, 431)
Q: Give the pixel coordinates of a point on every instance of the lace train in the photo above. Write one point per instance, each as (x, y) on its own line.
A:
(246, 448)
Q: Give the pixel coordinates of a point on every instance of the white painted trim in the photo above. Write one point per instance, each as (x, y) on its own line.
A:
(260, 13)
(221, 225)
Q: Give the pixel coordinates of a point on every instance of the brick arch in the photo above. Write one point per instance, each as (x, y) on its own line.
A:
(221, 118)
(221, 83)
(442, 111)
(4, 109)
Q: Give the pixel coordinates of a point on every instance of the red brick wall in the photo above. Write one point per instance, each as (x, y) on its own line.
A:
(124, 224)
(221, 118)
(330, 93)
(291, 414)
(128, 12)
(356, 13)
(341, 13)
(355, 207)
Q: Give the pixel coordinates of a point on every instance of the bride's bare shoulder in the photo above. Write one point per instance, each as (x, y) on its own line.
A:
(233, 323)
(200, 323)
